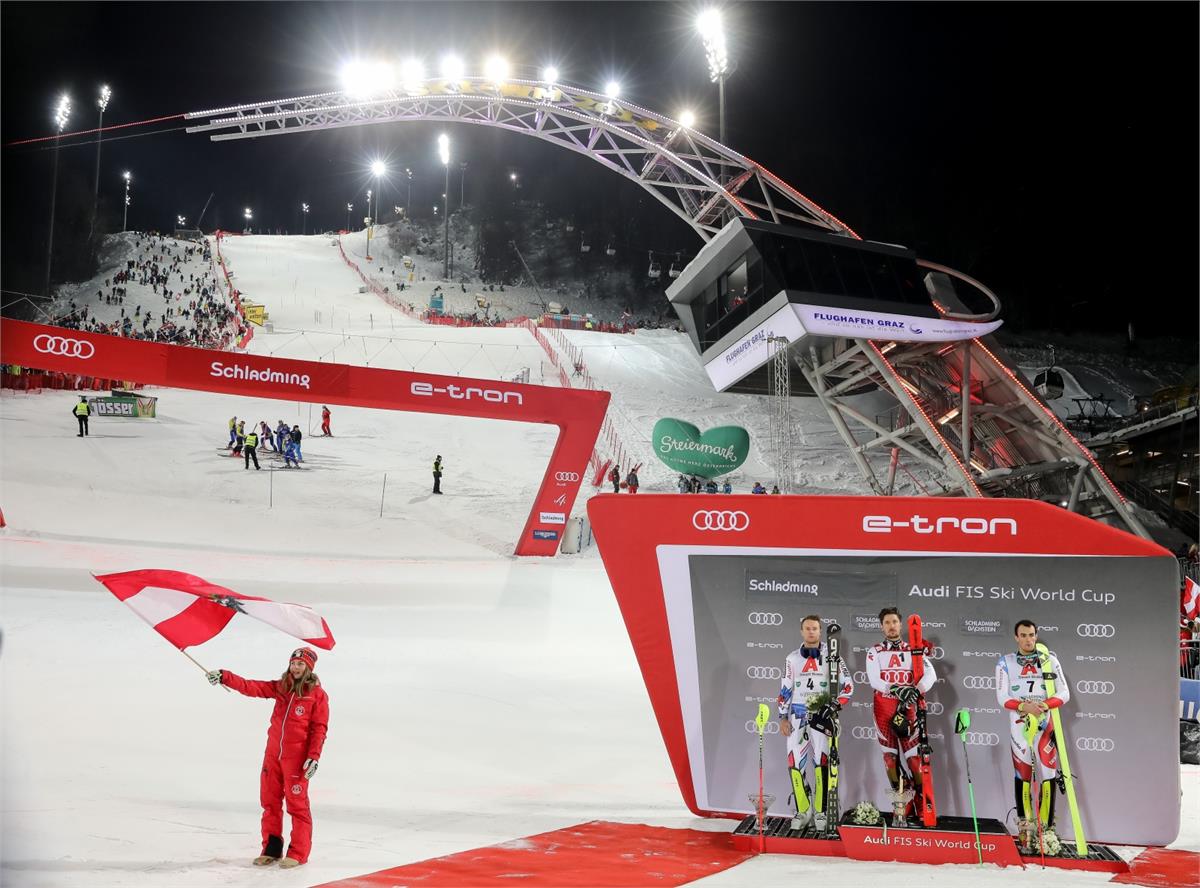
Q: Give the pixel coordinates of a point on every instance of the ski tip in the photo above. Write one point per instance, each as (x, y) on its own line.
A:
(833, 629)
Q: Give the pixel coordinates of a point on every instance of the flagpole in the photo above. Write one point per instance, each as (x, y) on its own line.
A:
(205, 671)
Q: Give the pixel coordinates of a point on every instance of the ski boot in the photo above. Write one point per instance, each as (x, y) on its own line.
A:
(820, 821)
(802, 820)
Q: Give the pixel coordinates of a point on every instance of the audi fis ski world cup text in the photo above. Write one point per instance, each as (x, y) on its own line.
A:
(1011, 593)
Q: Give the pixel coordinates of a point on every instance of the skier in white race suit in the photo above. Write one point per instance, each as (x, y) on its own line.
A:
(805, 677)
(1021, 690)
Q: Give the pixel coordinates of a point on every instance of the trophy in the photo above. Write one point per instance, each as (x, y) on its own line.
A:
(900, 797)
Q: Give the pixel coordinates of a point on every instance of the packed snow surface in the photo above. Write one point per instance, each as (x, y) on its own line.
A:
(475, 697)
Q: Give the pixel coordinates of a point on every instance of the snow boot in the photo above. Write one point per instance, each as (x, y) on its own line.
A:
(271, 853)
(264, 860)
(288, 863)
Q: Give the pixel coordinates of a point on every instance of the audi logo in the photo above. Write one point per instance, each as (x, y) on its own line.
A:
(979, 682)
(1096, 630)
(566, 476)
(720, 521)
(936, 654)
(61, 345)
(935, 708)
(982, 738)
(860, 678)
(1095, 687)
(771, 727)
(858, 732)
(765, 619)
(1095, 744)
(764, 672)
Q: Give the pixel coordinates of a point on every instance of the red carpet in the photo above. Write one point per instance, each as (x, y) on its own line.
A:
(597, 854)
(1161, 868)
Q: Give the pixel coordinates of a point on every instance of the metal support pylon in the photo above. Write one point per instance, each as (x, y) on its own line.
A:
(964, 418)
(782, 439)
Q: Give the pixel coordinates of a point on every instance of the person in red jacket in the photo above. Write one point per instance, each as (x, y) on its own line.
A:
(294, 741)
(325, 422)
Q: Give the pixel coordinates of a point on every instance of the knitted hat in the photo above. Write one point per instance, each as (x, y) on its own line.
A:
(306, 655)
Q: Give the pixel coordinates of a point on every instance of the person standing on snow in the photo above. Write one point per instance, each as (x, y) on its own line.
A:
(325, 422)
(81, 411)
(631, 481)
(296, 436)
(232, 432)
(437, 474)
(295, 739)
(266, 434)
(615, 477)
(251, 449)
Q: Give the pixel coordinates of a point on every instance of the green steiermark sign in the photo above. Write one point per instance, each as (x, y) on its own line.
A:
(718, 451)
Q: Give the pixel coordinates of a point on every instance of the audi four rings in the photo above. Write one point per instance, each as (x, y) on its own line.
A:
(1095, 744)
(719, 520)
(771, 727)
(979, 682)
(765, 619)
(566, 476)
(772, 672)
(62, 345)
(1095, 687)
(858, 732)
(982, 738)
(1096, 630)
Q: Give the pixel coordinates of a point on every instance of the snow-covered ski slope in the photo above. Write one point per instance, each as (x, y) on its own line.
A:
(475, 697)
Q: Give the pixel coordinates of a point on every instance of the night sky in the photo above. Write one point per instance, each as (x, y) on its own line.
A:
(1050, 150)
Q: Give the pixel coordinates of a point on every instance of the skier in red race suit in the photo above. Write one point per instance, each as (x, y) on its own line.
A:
(294, 742)
(889, 669)
(325, 422)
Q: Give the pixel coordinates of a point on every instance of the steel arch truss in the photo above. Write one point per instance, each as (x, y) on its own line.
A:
(697, 178)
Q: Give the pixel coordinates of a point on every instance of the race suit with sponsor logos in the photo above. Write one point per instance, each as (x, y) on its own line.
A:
(889, 664)
(805, 676)
(297, 732)
(1020, 677)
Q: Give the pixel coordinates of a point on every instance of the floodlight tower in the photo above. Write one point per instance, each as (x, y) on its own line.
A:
(349, 209)
(249, 215)
(712, 32)
(444, 154)
(102, 104)
(304, 212)
(62, 113)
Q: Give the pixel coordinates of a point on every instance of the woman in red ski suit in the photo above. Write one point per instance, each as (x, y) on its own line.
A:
(294, 741)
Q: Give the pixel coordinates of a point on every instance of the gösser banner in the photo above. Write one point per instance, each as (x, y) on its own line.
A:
(578, 413)
(713, 590)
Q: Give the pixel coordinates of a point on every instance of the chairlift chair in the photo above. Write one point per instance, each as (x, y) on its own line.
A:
(655, 270)
(584, 246)
(610, 249)
(1049, 382)
(570, 227)
(674, 271)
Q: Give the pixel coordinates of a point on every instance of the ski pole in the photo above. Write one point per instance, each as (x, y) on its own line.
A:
(962, 721)
(760, 722)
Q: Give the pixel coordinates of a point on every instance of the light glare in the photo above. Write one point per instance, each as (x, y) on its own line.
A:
(688, 119)
(378, 169)
(105, 95)
(550, 75)
(612, 89)
(452, 68)
(62, 113)
(412, 73)
(444, 149)
(496, 69)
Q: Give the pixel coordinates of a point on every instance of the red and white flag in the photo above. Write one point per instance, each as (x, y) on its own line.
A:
(188, 610)
(1190, 605)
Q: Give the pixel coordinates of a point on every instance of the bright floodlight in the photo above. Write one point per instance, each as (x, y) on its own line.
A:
(105, 95)
(495, 69)
(349, 207)
(127, 176)
(247, 213)
(411, 75)
(361, 80)
(304, 208)
(452, 68)
(512, 177)
(612, 89)
(550, 75)
(688, 119)
(180, 220)
(444, 149)
(62, 112)
(712, 32)
(378, 169)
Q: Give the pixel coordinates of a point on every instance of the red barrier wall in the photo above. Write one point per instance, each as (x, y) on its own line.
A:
(578, 414)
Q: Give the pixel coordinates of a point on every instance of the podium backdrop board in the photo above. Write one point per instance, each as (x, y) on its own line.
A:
(713, 589)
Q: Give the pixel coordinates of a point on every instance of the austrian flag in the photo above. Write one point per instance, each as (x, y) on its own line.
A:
(187, 610)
